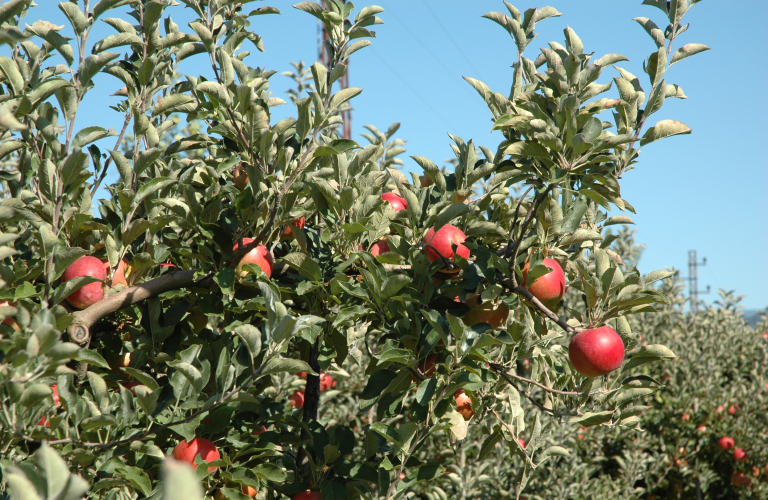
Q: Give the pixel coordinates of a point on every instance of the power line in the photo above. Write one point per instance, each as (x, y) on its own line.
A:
(450, 37)
(413, 90)
(429, 51)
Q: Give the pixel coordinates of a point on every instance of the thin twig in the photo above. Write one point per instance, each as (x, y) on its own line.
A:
(500, 369)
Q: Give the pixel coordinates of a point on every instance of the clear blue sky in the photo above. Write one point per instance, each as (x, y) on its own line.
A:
(705, 191)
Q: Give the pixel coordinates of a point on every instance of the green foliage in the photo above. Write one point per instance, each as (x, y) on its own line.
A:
(190, 342)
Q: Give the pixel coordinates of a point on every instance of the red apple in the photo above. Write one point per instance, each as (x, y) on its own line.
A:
(731, 410)
(522, 442)
(549, 289)
(326, 382)
(261, 430)
(739, 454)
(9, 321)
(427, 368)
(302, 375)
(297, 399)
(131, 385)
(187, 451)
(167, 264)
(91, 293)
(485, 312)
(596, 352)
(725, 443)
(249, 490)
(380, 247)
(119, 276)
(719, 409)
(755, 471)
(259, 256)
(440, 244)
(287, 234)
(240, 177)
(463, 404)
(739, 479)
(397, 202)
(686, 417)
(702, 428)
(309, 495)
(56, 401)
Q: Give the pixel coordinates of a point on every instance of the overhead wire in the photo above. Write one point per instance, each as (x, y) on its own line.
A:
(450, 37)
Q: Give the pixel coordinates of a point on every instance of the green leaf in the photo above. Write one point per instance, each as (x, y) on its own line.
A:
(142, 377)
(618, 219)
(180, 482)
(97, 422)
(92, 358)
(34, 393)
(343, 96)
(663, 129)
(387, 432)
(687, 50)
(215, 91)
(279, 365)
(92, 65)
(305, 266)
(65, 290)
(657, 276)
(251, 337)
(579, 236)
(590, 419)
(191, 373)
(105, 5)
(270, 472)
(138, 479)
(12, 75)
(76, 17)
(392, 285)
(91, 134)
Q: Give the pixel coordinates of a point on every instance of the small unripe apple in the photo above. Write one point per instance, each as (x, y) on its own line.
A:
(549, 288)
(309, 495)
(287, 234)
(397, 202)
(297, 399)
(92, 292)
(259, 256)
(9, 321)
(380, 247)
(187, 451)
(725, 443)
(485, 312)
(240, 177)
(463, 404)
(596, 352)
(326, 382)
(439, 245)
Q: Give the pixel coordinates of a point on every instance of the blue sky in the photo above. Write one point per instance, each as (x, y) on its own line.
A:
(705, 191)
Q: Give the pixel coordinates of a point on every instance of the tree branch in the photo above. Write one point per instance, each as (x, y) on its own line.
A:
(501, 370)
(511, 285)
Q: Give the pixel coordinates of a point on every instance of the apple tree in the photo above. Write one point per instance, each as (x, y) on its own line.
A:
(283, 303)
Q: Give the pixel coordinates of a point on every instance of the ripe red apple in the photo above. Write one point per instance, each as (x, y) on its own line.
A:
(719, 409)
(302, 375)
(380, 247)
(686, 417)
(167, 264)
(259, 256)
(309, 495)
(326, 382)
(287, 234)
(755, 471)
(521, 441)
(131, 385)
(261, 430)
(439, 244)
(463, 404)
(91, 293)
(549, 289)
(702, 428)
(240, 177)
(427, 368)
(9, 321)
(485, 312)
(596, 352)
(397, 202)
(731, 410)
(739, 454)
(297, 399)
(187, 451)
(725, 443)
